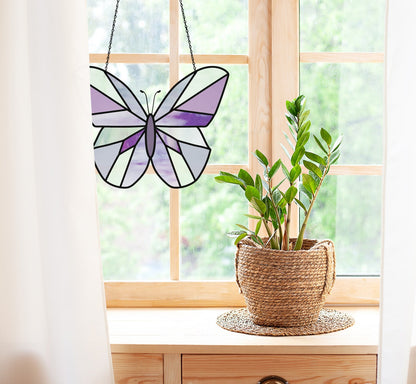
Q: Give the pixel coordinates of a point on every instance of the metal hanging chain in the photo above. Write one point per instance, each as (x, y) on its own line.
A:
(114, 25)
(111, 35)
(187, 35)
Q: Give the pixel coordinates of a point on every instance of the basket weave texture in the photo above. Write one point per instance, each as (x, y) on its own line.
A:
(285, 288)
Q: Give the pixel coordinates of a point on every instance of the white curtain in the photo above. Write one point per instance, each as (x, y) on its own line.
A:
(52, 312)
(398, 309)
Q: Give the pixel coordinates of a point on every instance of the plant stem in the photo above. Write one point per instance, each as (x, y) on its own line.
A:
(287, 226)
(299, 240)
(273, 244)
(279, 225)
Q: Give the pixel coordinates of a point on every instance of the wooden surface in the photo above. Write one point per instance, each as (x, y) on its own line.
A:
(285, 77)
(194, 330)
(172, 368)
(354, 290)
(304, 57)
(341, 57)
(314, 369)
(259, 67)
(138, 368)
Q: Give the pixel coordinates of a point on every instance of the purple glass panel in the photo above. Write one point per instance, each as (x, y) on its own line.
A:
(102, 103)
(163, 166)
(137, 166)
(131, 141)
(184, 119)
(169, 141)
(207, 101)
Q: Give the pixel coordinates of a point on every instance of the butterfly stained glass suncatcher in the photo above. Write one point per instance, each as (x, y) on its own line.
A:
(170, 138)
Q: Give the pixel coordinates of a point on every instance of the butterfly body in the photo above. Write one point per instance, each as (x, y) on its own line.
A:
(170, 139)
(150, 132)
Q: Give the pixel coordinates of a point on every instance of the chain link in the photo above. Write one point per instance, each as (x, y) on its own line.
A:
(114, 26)
(187, 35)
(111, 35)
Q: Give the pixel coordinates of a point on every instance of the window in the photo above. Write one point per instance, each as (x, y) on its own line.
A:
(342, 44)
(160, 246)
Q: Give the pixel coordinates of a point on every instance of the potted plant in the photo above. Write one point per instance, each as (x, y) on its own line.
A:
(285, 280)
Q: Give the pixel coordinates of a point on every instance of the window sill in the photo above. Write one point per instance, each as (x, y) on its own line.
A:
(194, 331)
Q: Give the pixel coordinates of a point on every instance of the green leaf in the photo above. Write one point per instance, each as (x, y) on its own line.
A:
(239, 238)
(304, 116)
(234, 234)
(298, 202)
(309, 183)
(291, 107)
(337, 143)
(290, 194)
(289, 118)
(268, 204)
(314, 157)
(276, 196)
(258, 205)
(230, 179)
(244, 227)
(297, 156)
(246, 177)
(258, 227)
(266, 186)
(326, 136)
(299, 102)
(258, 240)
(313, 168)
(275, 167)
(295, 173)
(261, 158)
(282, 203)
(308, 194)
(335, 159)
(303, 139)
(252, 192)
(252, 216)
(304, 127)
(321, 145)
(259, 185)
(285, 171)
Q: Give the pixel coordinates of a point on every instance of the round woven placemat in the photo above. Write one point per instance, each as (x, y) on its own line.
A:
(329, 320)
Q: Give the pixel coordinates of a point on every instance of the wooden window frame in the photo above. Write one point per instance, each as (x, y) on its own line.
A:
(273, 58)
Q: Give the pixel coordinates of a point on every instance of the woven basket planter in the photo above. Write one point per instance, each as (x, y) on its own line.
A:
(285, 288)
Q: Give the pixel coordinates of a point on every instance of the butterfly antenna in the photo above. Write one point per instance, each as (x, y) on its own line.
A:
(147, 101)
(154, 97)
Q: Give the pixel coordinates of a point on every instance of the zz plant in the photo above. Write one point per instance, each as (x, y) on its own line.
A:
(299, 182)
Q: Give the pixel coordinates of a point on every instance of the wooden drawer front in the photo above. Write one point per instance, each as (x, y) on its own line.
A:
(296, 369)
(133, 368)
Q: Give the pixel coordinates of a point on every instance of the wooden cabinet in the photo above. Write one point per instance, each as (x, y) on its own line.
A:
(295, 369)
(185, 346)
(135, 368)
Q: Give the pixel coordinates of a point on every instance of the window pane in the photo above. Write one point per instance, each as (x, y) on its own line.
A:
(342, 25)
(227, 135)
(348, 211)
(347, 99)
(134, 230)
(208, 211)
(218, 27)
(142, 26)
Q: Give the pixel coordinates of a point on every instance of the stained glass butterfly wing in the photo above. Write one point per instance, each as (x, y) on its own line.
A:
(119, 149)
(181, 151)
